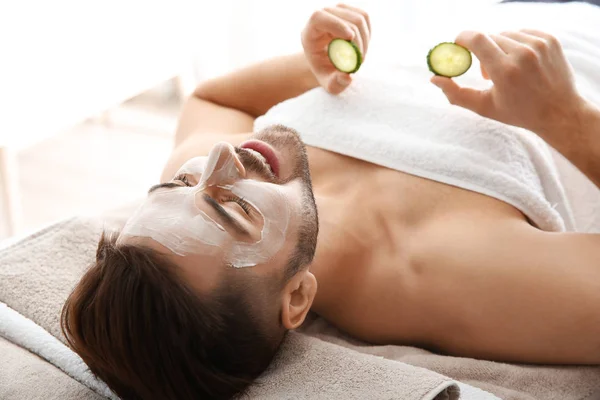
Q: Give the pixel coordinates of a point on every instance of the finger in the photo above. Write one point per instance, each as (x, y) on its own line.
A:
(362, 12)
(552, 40)
(338, 82)
(484, 73)
(508, 45)
(486, 50)
(357, 21)
(533, 42)
(358, 24)
(362, 23)
(326, 22)
(475, 100)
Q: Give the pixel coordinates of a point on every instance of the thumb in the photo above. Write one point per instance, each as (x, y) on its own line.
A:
(338, 82)
(471, 99)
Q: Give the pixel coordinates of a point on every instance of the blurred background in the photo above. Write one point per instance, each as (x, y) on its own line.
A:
(90, 91)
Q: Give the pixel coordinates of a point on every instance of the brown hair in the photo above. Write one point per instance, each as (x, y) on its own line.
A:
(146, 333)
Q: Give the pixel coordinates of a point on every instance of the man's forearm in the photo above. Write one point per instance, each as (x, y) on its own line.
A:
(257, 88)
(578, 139)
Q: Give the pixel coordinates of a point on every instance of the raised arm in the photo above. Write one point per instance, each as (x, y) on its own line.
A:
(256, 88)
(533, 88)
(512, 293)
(230, 103)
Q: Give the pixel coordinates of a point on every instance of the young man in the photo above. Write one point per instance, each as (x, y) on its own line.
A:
(195, 295)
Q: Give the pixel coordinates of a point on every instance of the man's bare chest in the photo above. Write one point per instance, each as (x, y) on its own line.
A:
(375, 217)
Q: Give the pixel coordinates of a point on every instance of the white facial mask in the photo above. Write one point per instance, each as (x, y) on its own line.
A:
(172, 218)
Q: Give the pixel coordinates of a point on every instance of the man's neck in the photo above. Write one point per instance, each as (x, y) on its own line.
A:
(337, 248)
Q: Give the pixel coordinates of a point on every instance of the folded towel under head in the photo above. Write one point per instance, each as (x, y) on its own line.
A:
(38, 273)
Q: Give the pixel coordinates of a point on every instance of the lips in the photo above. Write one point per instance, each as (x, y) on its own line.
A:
(264, 150)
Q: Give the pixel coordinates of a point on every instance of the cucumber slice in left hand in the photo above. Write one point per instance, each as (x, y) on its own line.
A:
(449, 60)
(344, 55)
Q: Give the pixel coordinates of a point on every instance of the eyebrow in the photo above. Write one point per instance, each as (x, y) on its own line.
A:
(166, 185)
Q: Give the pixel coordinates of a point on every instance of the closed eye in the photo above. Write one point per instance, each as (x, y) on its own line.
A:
(184, 179)
(241, 202)
(173, 184)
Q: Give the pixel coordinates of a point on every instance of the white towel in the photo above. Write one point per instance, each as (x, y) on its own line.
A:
(24, 332)
(27, 334)
(392, 121)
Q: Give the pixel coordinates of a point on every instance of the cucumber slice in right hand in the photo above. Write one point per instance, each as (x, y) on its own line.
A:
(449, 60)
(344, 55)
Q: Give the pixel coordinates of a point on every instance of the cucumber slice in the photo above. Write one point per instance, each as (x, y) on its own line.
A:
(449, 60)
(344, 55)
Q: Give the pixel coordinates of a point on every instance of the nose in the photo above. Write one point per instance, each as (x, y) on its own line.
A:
(223, 166)
(228, 160)
(236, 161)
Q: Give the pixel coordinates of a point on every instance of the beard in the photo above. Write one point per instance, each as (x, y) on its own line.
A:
(288, 141)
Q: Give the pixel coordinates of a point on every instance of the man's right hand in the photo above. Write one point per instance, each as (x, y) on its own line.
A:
(342, 21)
(533, 82)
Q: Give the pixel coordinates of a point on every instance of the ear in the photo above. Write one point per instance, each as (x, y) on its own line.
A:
(298, 296)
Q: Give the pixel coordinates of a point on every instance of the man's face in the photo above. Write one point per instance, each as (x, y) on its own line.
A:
(250, 206)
